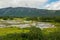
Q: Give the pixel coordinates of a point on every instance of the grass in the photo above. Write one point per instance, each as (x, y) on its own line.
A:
(32, 33)
(5, 31)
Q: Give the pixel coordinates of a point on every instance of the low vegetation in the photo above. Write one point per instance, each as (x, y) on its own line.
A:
(31, 33)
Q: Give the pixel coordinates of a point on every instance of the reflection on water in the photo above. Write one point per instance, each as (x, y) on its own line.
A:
(9, 23)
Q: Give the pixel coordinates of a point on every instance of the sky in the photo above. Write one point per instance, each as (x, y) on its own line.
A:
(40, 4)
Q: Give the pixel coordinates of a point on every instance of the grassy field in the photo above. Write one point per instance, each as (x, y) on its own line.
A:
(12, 33)
(31, 33)
(5, 31)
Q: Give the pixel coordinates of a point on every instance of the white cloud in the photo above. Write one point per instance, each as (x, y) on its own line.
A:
(22, 3)
(53, 6)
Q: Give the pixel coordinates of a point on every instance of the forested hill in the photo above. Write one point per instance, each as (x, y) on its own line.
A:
(28, 12)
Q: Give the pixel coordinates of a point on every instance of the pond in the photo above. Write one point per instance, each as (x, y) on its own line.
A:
(26, 24)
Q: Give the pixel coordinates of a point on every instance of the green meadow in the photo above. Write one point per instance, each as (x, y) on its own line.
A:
(31, 33)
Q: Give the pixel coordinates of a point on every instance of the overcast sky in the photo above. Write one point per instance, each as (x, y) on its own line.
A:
(41, 4)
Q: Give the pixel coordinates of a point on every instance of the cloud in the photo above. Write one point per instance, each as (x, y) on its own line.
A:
(53, 6)
(22, 3)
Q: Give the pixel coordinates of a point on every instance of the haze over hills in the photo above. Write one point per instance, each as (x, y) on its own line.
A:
(28, 12)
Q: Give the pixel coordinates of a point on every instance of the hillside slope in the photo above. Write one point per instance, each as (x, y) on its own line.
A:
(28, 12)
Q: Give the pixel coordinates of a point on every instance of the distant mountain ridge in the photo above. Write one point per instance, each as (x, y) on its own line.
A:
(27, 12)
